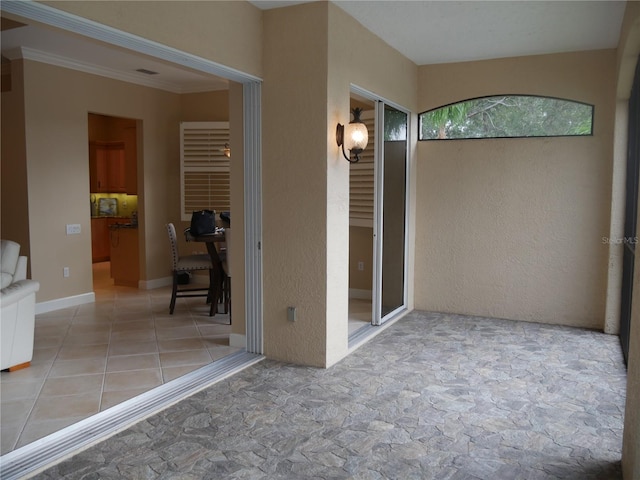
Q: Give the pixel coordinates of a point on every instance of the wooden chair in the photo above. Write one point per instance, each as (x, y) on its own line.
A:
(188, 263)
(226, 266)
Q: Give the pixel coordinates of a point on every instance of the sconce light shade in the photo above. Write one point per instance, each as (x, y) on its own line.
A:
(353, 137)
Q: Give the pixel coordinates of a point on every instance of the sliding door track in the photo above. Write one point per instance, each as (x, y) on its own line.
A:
(45, 452)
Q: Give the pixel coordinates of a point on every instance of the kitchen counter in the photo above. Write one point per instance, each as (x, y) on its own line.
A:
(116, 226)
(100, 228)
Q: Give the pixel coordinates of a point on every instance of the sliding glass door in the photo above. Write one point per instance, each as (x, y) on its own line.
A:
(390, 239)
(378, 216)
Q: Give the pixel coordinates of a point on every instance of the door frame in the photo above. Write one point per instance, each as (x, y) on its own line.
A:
(378, 155)
(630, 240)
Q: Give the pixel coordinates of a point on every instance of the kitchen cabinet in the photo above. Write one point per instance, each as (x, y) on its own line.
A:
(100, 238)
(107, 167)
(125, 269)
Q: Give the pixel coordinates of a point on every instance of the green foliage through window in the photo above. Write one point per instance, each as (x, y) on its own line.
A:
(506, 116)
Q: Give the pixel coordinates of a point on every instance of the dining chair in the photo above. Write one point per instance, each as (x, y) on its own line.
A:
(187, 263)
(226, 266)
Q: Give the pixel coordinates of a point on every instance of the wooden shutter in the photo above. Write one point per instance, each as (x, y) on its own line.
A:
(361, 180)
(204, 167)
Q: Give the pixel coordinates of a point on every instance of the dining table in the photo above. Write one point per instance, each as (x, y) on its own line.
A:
(213, 241)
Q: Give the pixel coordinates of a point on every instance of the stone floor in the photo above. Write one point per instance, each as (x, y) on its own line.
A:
(432, 397)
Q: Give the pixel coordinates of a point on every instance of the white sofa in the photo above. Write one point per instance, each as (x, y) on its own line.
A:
(17, 308)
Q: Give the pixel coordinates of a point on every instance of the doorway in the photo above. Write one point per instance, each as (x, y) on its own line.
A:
(113, 198)
(378, 216)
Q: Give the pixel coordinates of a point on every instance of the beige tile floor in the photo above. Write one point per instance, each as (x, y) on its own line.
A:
(91, 357)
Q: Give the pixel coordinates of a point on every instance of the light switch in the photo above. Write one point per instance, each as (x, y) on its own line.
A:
(73, 229)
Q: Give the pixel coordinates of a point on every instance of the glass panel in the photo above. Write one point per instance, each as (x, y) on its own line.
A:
(394, 209)
(507, 116)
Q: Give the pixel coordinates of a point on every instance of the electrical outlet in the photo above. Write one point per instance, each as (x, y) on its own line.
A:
(65, 272)
(73, 229)
(361, 266)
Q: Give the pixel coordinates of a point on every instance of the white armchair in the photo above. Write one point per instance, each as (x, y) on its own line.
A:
(17, 308)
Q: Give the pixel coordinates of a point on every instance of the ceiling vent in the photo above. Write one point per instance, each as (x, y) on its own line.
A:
(146, 72)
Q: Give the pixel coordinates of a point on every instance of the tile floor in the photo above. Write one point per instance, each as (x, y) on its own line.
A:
(92, 357)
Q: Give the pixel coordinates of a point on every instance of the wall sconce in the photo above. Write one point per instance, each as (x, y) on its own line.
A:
(354, 136)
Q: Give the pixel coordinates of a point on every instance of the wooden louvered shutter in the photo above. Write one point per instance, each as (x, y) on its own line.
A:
(361, 180)
(204, 167)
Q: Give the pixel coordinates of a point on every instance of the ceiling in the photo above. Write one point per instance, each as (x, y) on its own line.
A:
(65, 49)
(426, 32)
(429, 32)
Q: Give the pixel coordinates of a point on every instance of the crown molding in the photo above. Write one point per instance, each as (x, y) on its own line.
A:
(73, 64)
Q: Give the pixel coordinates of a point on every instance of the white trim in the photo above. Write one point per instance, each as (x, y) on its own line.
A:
(65, 302)
(378, 215)
(360, 294)
(137, 79)
(252, 97)
(46, 452)
(237, 340)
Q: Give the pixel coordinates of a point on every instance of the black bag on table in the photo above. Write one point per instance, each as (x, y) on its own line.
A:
(203, 222)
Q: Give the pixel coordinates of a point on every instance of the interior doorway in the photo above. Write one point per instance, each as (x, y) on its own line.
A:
(113, 186)
(361, 213)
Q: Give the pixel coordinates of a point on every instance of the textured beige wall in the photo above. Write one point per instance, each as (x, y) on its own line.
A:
(57, 102)
(628, 51)
(227, 32)
(513, 228)
(205, 106)
(295, 182)
(14, 213)
(305, 179)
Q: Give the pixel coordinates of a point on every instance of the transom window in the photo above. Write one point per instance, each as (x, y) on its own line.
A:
(507, 116)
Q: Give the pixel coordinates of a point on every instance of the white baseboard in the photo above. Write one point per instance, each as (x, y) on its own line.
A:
(360, 294)
(237, 340)
(66, 302)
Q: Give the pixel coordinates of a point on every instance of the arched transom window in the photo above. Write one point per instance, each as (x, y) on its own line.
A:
(507, 116)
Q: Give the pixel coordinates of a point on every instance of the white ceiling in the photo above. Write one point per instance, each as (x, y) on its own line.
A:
(424, 31)
(444, 31)
(80, 53)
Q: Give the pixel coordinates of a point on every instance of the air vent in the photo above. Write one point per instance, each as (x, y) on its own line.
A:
(146, 72)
